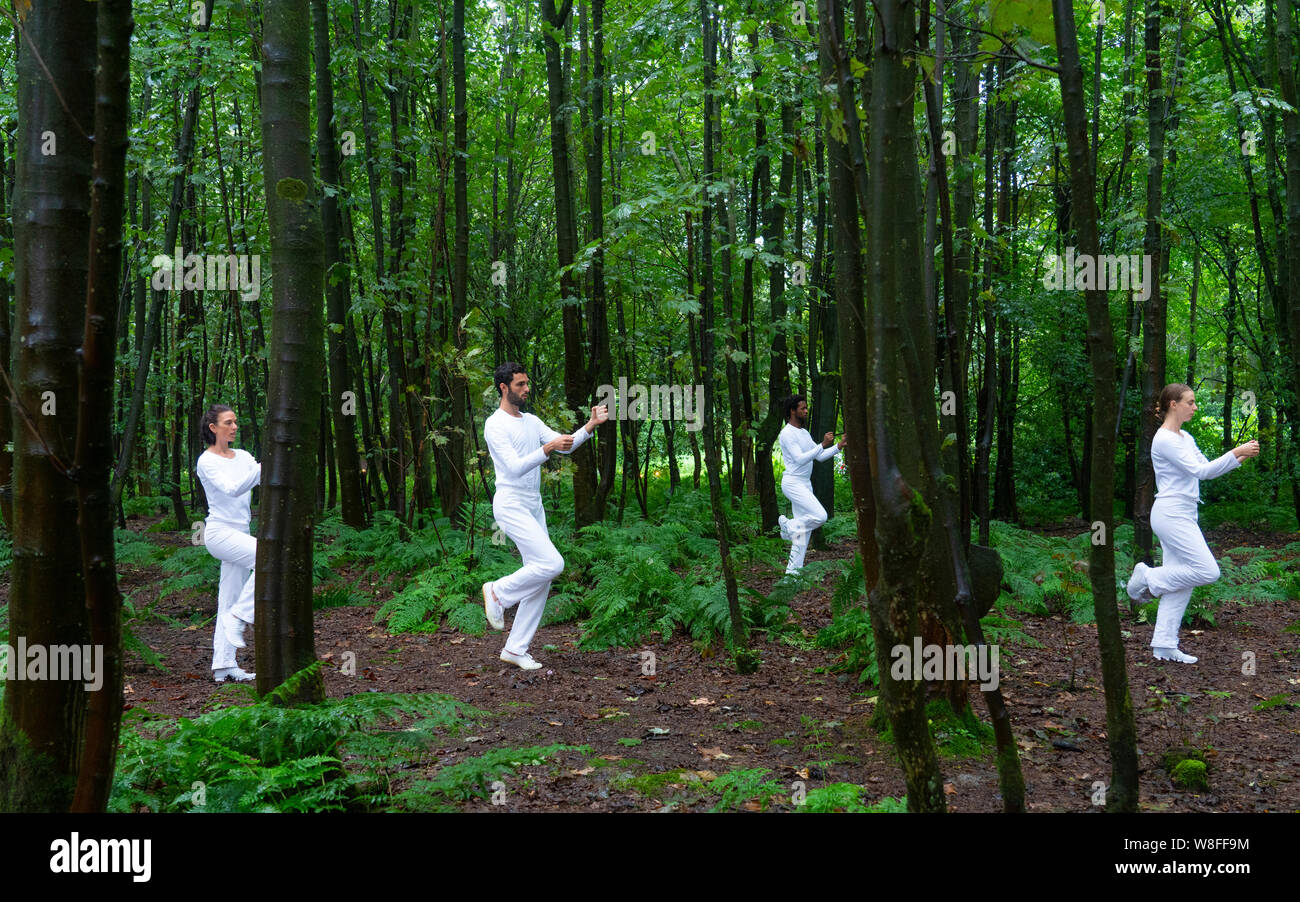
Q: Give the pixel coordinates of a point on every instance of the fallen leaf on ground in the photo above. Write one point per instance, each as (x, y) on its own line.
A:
(949, 789)
(701, 701)
(458, 640)
(710, 754)
(583, 772)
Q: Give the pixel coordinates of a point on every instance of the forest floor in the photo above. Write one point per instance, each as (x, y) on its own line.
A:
(656, 742)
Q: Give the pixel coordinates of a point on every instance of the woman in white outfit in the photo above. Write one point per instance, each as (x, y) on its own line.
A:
(1179, 468)
(799, 452)
(228, 476)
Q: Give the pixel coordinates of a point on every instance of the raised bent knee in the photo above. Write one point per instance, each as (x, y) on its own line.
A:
(1209, 572)
(553, 566)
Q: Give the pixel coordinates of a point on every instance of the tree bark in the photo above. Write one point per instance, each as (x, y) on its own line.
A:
(1121, 731)
(43, 724)
(285, 637)
(337, 283)
(94, 460)
(1153, 337)
(746, 661)
(184, 152)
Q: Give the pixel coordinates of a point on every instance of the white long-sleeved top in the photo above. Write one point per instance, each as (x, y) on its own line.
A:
(1180, 466)
(800, 451)
(228, 482)
(516, 447)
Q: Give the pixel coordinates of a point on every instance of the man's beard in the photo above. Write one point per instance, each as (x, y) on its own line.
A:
(515, 399)
(803, 421)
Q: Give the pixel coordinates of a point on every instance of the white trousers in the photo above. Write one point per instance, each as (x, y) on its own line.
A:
(1186, 564)
(808, 515)
(237, 551)
(522, 517)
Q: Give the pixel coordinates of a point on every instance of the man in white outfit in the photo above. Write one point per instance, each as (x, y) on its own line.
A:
(799, 452)
(519, 443)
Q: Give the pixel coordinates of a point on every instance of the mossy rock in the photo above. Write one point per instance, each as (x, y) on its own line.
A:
(1190, 774)
(1177, 755)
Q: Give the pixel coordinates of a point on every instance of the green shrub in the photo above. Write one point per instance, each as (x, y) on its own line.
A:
(262, 757)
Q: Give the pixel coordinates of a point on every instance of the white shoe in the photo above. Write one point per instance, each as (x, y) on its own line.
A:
(523, 662)
(233, 673)
(1138, 590)
(1173, 654)
(234, 629)
(496, 614)
(784, 522)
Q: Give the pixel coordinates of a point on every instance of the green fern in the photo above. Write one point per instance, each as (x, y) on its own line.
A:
(472, 778)
(266, 758)
(847, 797)
(850, 626)
(740, 786)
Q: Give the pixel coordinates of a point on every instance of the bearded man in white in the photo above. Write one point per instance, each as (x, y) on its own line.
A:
(519, 443)
(799, 452)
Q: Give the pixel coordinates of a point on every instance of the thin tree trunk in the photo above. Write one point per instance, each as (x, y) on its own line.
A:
(1153, 337)
(452, 486)
(1121, 731)
(184, 152)
(746, 661)
(342, 409)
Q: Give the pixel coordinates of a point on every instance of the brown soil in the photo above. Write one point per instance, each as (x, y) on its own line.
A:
(796, 717)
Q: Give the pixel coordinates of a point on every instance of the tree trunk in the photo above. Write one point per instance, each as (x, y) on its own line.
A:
(450, 459)
(602, 365)
(1289, 315)
(94, 460)
(1121, 731)
(578, 384)
(147, 342)
(1153, 337)
(746, 661)
(43, 724)
(342, 409)
(285, 637)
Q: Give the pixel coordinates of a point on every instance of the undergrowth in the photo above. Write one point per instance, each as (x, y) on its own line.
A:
(1049, 575)
(847, 797)
(331, 756)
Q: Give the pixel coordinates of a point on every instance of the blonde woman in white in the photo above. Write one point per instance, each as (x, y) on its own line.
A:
(1187, 562)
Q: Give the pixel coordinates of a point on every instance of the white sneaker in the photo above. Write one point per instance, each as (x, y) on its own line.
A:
(234, 629)
(1173, 654)
(784, 522)
(523, 662)
(1138, 590)
(233, 673)
(496, 614)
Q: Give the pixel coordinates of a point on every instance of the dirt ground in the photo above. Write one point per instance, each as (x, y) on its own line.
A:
(657, 740)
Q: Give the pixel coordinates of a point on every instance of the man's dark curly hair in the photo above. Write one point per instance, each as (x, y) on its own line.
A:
(789, 404)
(505, 374)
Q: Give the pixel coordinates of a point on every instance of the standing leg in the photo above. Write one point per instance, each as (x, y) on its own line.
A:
(1187, 563)
(523, 518)
(238, 553)
(808, 515)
